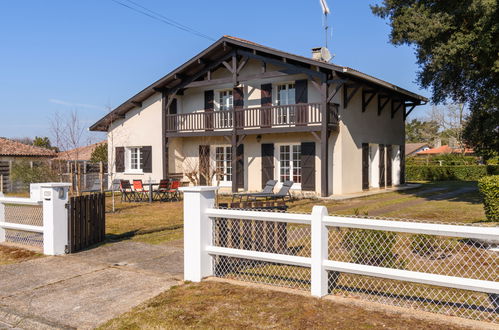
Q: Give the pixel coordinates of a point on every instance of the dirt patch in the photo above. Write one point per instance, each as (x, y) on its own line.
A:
(222, 305)
(11, 254)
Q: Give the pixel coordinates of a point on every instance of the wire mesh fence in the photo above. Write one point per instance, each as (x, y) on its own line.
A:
(25, 215)
(432, 254)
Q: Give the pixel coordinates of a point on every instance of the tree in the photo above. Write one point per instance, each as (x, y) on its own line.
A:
(450, 120)
(417, 131)
(482, 132)
(457, 46)
(99, 154)
(42, 142)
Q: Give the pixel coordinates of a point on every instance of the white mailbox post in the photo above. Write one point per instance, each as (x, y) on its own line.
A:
(55, 217)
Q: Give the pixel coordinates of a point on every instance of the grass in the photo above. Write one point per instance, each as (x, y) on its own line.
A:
(10, 255)
(220, 305)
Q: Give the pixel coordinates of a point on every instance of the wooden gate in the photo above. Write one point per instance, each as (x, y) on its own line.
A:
(87, 221)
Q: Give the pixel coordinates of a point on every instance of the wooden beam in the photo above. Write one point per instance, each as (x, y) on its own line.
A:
(324, 141)
(382, 102)
(277, 62)
(136, 103)
(201, 61)
(338, 87)
(228, 66)
(406, 113)
(347, 97)
(316, 136)
(234, 71)
(242, 64)
(240, 140)
(395, 109)
(178, 76)
(366, 101)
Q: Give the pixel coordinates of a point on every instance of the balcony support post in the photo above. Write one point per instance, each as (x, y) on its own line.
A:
(324, 139)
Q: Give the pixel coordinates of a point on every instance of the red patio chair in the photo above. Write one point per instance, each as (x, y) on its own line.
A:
(173, 192)
(140, 193)
(162, 192)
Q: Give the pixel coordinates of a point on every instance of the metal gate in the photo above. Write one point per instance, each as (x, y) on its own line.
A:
(87, 221)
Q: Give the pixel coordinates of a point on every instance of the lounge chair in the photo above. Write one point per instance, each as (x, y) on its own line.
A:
(162, 192)
(140, 193)
(268, 189)
(281, 194)
(127, 193)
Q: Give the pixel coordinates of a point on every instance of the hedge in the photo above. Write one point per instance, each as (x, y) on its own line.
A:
(444, 173)
(489, 189)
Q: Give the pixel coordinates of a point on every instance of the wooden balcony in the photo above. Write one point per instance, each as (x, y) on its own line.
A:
(269, 119)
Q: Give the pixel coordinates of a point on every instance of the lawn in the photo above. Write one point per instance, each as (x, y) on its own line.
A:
(220, 305)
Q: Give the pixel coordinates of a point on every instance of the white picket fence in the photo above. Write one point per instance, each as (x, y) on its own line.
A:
(39, 222)
(437, 264)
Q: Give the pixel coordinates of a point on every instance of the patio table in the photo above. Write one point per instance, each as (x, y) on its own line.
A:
(151, 184)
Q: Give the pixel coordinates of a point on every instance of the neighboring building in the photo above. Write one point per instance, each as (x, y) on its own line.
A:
(11, 151)
(445, 149)
(82, 154)
(329, 128)
(413, 148)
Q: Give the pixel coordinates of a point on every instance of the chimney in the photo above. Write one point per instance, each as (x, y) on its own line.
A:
(316, 53)
(321, 54)
(437, 143)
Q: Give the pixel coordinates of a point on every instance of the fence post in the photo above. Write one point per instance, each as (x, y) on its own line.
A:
(2, 219)
(319, 280)
(55, 217)
(197, 231)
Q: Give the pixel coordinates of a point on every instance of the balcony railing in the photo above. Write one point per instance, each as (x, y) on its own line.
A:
(280, 116)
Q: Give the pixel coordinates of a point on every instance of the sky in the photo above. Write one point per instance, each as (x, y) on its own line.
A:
(89, 56)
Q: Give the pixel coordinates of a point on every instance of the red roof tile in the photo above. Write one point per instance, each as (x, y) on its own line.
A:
(14, 148)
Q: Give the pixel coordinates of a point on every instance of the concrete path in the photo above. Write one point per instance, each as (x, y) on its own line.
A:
(88, 288)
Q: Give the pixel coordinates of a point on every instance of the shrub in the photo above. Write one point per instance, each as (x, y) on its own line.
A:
(489, 189)
(23, 173)
(371, 247)
(445, 173)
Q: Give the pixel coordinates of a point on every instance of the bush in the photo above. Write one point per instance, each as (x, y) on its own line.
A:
(489, 189)
(371, 247)
(23, 173)
(445, 173)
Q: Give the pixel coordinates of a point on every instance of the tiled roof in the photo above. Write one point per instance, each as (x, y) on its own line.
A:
(13, 148)
(412, 147)
(445, 149)
(81, 153)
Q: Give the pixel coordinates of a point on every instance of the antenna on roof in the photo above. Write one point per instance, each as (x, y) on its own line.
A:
(325, 11)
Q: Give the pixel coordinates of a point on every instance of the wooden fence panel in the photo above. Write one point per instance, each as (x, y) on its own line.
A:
(87, 221)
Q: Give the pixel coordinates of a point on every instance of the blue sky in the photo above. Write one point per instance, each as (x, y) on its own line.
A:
(91, 55)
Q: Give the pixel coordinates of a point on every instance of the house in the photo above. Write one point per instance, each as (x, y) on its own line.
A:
(445, 149)
(239, 113)
(81, 154)
(11, 151)
(413, 148)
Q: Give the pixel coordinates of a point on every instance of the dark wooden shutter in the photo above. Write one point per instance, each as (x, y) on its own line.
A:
(365, 166)
(204, 164)
(308, 166)
(173, 107)
(209, 97)
(120, 159)
(382, 166)
(388, 165)
(266, 101)
(402, 164)
(238, 103)
(240, 166)
(301, 89)
(146, 159)
(267, 162)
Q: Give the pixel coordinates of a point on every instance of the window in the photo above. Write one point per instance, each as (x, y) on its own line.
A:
(225, 100)
(225, 103)
(285, 96)
(290, 163)
(134, 163)
(223, 163)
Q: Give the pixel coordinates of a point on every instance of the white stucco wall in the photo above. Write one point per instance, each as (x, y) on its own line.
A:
(140, 127)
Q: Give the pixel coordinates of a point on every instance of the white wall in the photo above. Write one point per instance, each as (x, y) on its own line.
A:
(140, 127)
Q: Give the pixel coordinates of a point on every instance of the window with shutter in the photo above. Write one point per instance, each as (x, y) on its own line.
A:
(365, 166)
(389, 160)
(209, 97)
(301, 98)
(120, 159)
(266, 101)
(146, 159)
(204, 164)
(382, 166)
